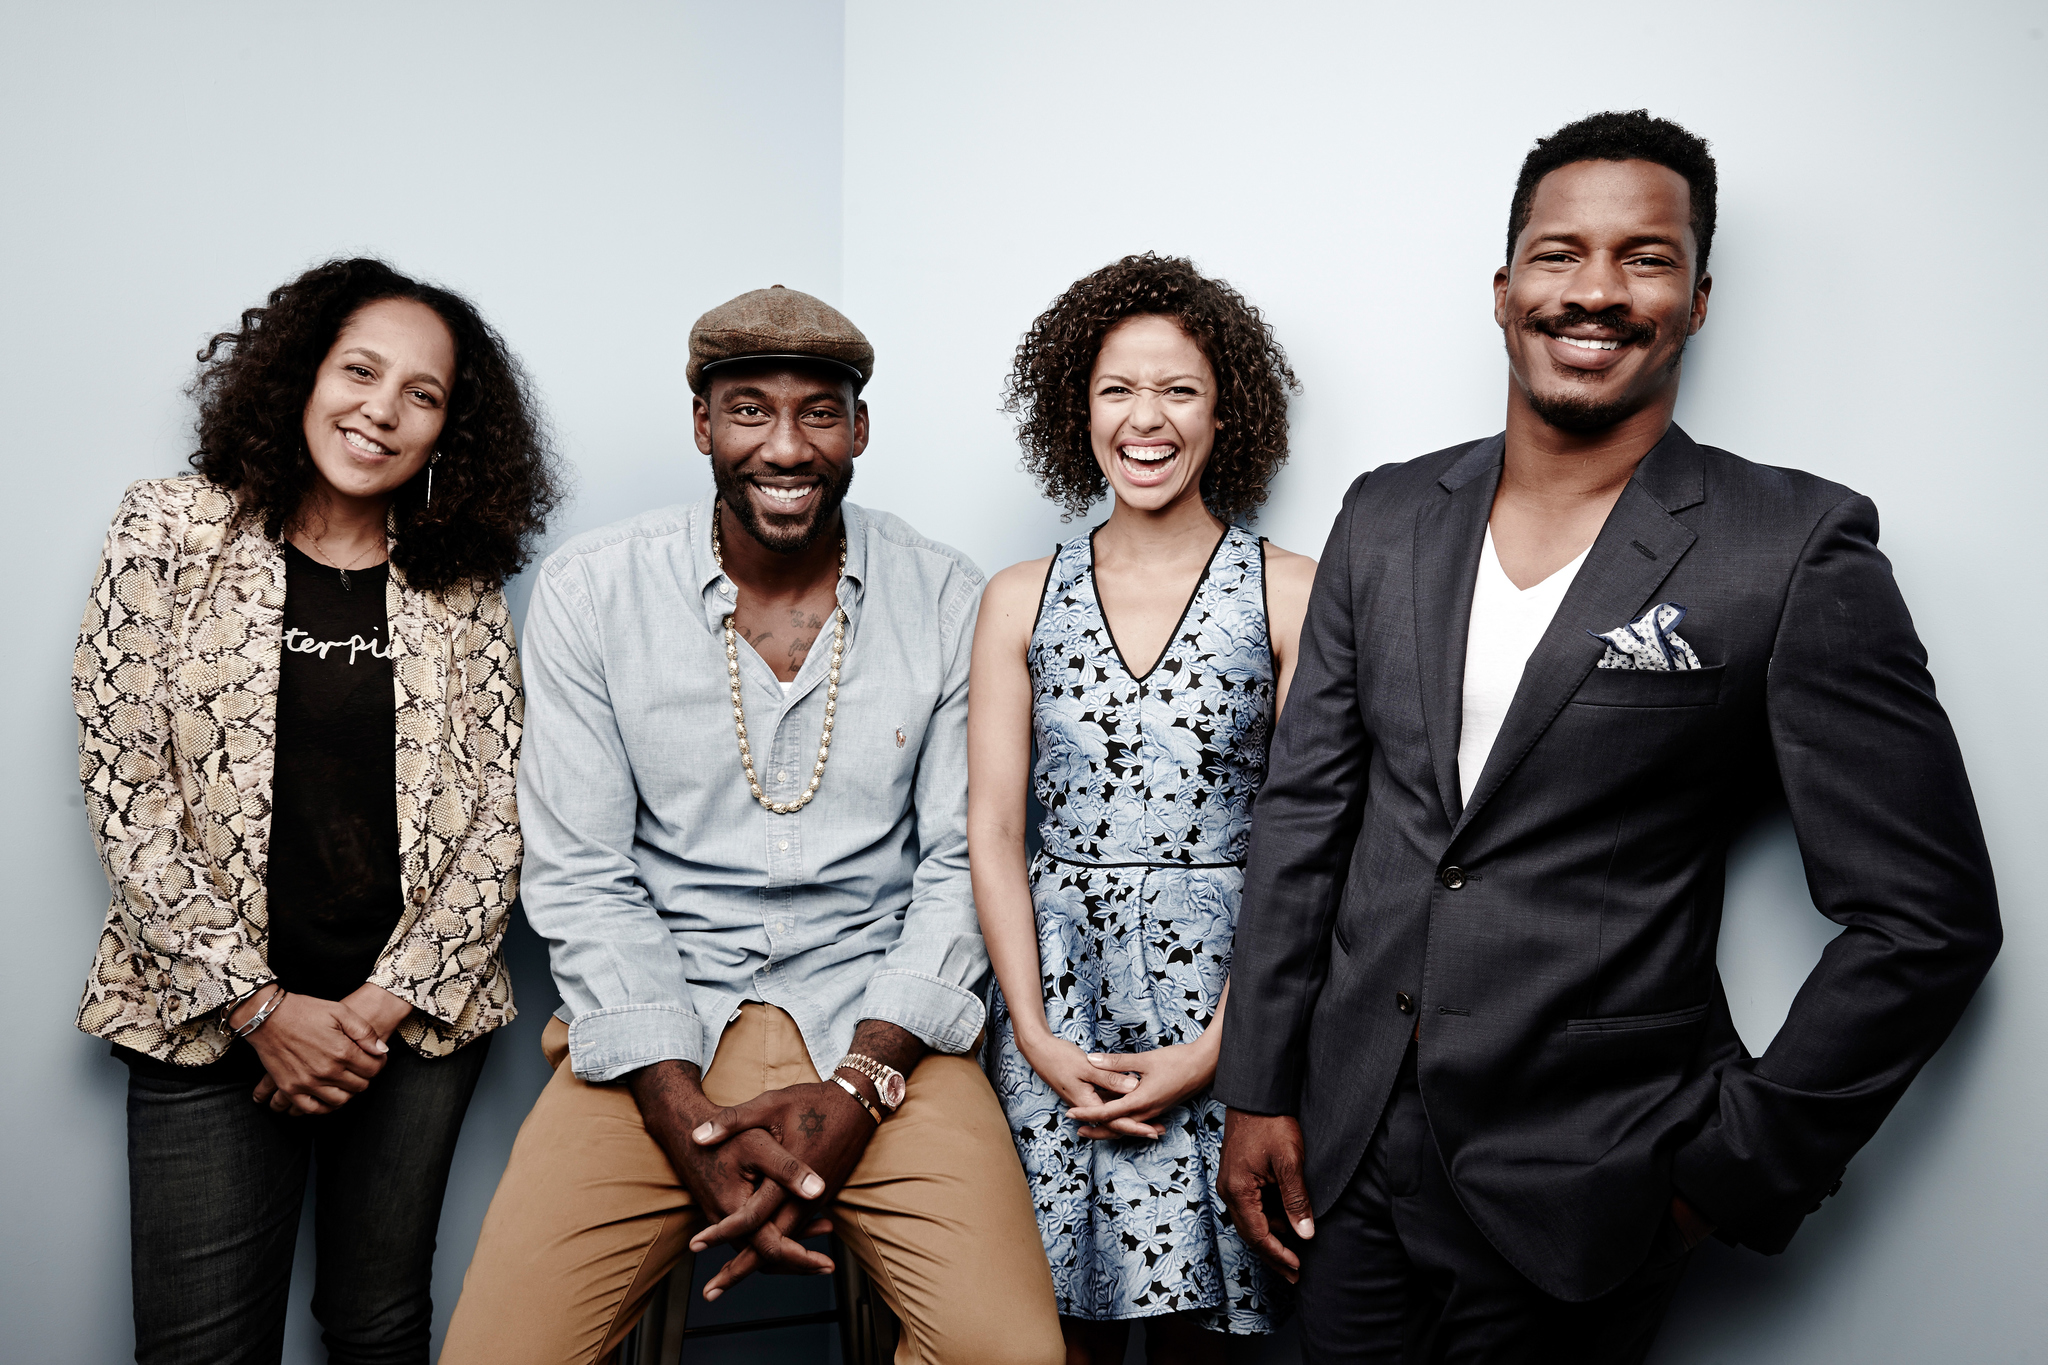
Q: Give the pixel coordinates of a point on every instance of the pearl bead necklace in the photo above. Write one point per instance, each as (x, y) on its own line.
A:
(739, 708)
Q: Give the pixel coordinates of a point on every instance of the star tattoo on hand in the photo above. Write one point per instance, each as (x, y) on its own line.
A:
(810, 1123)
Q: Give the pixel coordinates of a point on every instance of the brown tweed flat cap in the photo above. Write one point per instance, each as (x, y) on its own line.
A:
(777, 324)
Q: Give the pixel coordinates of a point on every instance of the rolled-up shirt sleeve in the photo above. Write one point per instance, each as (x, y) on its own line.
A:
(930, 982)
(613, 959)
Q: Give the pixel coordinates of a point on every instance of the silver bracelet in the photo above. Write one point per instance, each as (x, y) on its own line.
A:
(257, 1021)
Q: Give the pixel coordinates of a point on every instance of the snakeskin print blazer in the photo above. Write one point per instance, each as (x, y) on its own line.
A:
(175, 681)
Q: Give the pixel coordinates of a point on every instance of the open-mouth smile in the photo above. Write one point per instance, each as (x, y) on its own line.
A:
(785, 498)
(363, 444)
(1586, 353)
(1147, 463)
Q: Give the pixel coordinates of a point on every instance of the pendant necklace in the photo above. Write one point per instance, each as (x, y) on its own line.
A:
(346, 586)
(739, 708)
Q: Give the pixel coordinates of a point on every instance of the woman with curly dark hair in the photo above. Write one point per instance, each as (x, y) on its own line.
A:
(1148, 660)
(299, 714)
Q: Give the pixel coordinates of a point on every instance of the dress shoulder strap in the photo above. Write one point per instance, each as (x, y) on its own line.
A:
(1236, 589)
(1069, 566)
(1239, 567)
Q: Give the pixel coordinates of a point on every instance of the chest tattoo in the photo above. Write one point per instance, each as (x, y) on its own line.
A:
(792, 640)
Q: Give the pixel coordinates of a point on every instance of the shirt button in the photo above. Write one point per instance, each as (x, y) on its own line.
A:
(419, 895)
(725, 589)
(1452, 877)
(782, 777)
(1404, 1002)
(783, 845)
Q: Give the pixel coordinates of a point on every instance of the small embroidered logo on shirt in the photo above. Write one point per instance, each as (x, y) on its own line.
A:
(901, 738)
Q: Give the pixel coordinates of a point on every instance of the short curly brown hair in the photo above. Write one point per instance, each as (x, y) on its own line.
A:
(1048, 385)
(497, 479)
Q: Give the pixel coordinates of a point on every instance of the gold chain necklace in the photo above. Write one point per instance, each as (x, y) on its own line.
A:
(319, 544)
(739, 708)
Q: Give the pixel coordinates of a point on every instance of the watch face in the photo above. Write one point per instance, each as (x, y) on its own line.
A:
(891, 1089)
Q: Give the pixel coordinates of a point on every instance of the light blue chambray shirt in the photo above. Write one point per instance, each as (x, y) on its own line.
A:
(667, 894)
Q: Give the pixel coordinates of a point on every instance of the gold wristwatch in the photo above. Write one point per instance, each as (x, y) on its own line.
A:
(890, 1087)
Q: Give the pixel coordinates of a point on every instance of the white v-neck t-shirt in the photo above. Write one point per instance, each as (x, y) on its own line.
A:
(1507, 625)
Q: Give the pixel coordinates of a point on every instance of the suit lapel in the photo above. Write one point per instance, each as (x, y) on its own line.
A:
(1450, 528)
(1634, 553)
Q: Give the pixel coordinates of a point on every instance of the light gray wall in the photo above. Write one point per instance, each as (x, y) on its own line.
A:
(1877, 319)
(594, 176)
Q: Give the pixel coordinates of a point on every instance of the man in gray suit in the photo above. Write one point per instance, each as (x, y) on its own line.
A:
(1478, 1051)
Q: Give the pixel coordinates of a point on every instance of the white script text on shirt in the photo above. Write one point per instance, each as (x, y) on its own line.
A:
(354, 644)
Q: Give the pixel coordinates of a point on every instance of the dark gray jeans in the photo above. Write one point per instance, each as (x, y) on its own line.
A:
(215, 1184)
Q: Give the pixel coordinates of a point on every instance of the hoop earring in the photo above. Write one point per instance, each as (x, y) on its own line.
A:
(432, 460)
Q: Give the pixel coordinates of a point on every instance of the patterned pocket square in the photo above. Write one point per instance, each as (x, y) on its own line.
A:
(1649, 642)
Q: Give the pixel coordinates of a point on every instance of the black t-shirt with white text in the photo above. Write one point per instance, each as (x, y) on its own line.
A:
(334, 889)
(335, 895)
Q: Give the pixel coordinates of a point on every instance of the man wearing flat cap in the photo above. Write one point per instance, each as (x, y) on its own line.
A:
(744, 795)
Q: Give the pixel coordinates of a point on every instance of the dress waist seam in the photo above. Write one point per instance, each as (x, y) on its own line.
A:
(1076, 862)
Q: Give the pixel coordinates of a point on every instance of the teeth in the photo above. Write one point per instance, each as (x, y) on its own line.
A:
(1147, 454)
(788, 495)
(364, 443)
(1589, 343)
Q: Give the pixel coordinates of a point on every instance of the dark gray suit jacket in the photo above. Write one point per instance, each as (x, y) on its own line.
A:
(1556, 938)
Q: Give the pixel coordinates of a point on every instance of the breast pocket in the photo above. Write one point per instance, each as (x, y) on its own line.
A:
(1636, 687)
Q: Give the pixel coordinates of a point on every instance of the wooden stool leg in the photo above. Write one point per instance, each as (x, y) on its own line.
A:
(675, 1299)
(657, 1339)
(867, 1329)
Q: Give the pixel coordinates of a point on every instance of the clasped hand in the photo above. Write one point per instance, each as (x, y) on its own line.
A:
(318, 1054)
(1118, 1095)
(763, 1171)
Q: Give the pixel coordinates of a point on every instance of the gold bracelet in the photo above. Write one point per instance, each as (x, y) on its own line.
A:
(859, 1098)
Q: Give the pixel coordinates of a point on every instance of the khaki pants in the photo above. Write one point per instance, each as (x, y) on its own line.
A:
(590, 1216)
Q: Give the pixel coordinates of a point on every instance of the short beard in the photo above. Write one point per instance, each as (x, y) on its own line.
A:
(1575, 412)
(782, 540)
(1580, 415)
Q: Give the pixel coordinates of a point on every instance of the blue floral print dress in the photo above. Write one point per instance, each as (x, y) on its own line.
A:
(1147, 786)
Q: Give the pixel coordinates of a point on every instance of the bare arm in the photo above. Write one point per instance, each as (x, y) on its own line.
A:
(998, 771)
(1289, 577)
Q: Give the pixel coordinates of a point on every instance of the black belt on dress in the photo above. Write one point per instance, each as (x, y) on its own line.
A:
(1076, 862)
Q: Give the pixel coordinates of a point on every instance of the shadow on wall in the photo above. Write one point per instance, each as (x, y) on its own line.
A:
(1771, 937)
(1732, 1295)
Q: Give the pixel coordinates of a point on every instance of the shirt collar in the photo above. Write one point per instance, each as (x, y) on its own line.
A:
(711, 582)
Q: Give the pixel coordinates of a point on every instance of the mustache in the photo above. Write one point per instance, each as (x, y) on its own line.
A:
(1628, 331)
(755, 470)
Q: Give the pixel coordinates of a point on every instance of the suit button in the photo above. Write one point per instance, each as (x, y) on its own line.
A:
(1452, 877)
(1404, 1002)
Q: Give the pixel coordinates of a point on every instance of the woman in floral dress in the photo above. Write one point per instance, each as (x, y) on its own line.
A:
(1145, 663)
